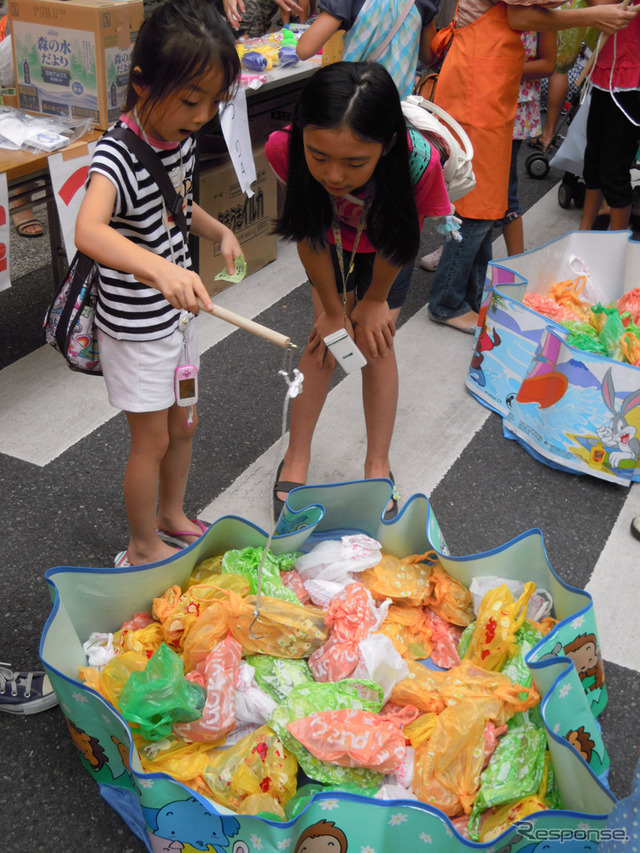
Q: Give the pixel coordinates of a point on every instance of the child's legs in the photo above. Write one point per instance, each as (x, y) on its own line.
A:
(149, 444)
(512, 230)
(174, 471)
(556, 97)
(306, 409)
(380, 402)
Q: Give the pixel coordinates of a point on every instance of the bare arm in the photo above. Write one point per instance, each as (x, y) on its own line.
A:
(545, 62)
(372, 314)
(206, 226)
(318, 34)
(289, 6)
(425, 55)
(97, 239)
(234, 10)
(609, 18)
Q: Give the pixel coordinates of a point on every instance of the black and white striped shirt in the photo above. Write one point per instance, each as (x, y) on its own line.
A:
(127, 309)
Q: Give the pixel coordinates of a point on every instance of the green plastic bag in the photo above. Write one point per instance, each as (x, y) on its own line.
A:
(515, 771)
(569, 41)
(610, 335)
(278, 676)
(306, 699)
(526, 637)
(246, 562)
(153, 700)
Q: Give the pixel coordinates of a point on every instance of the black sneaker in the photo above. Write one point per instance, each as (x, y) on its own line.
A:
(25, 692)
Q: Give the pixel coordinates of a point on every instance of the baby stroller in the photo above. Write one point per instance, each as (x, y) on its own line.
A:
(537, 164)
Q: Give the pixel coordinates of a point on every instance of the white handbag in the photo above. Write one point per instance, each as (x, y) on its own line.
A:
(451, 140)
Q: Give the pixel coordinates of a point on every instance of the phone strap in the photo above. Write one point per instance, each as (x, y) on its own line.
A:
(337, 236)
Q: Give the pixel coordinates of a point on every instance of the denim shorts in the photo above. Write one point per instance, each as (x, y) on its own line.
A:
(360, 278)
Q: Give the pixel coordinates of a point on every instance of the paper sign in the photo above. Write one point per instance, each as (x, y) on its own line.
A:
(5, 280)
(234, 120)
(68, 178)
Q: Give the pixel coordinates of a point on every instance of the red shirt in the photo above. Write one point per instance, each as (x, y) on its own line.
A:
(430, 193)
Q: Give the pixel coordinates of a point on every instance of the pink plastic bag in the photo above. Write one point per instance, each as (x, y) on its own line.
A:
(353, 738)
(217, 674)
(349, 618)
(445, 638)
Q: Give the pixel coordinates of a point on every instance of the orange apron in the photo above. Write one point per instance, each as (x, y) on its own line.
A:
(478, 85)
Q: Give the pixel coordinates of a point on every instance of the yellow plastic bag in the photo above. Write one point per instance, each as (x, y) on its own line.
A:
(498, 820)
(184, 761)
(420, 688)
(111, 681)
(419, 731)
(257, 764)
(409, 630)
(145, 640)
(448, 765)
(499, 617)
(402, 579)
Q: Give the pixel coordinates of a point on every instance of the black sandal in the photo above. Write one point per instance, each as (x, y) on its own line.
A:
(392, 512)
(281, 486)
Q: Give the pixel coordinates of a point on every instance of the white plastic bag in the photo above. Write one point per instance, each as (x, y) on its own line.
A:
(379, 661)
(570, 156)
(253, 704)
(540, 603)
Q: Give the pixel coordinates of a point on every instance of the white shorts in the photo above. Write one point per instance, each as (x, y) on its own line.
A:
(140, 374)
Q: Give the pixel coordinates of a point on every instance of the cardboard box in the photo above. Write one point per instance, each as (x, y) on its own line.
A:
(251, 219)
(72, 57)
(265, 116)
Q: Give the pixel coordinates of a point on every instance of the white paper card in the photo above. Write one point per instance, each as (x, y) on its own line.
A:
(234, 120)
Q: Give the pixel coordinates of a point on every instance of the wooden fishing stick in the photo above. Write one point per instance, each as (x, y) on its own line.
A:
(249, 325)
(600, 44)
(242, 323)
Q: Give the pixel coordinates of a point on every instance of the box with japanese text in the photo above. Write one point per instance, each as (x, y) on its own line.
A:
(72, 57)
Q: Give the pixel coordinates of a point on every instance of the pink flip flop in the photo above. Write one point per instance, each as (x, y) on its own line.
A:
(178, 537)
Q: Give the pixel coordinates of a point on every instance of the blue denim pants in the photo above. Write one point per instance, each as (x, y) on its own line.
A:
(459, 280)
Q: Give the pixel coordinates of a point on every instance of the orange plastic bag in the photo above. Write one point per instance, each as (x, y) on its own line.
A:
(218, 674)
(177, 611)
(283, 629)
(257, 764)
(409, 629)
(349, 619)
(448, 766)
(499, 617)
(406, 580)
(452, 601)
(466, 683)
(353, 738)
(420, 689)
(209, 629)
(495, 693)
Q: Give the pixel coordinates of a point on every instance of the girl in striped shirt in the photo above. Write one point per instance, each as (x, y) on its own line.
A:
(183, 64)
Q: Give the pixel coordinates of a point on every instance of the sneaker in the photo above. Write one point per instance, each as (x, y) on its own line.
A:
(25, 692)
(430, 262)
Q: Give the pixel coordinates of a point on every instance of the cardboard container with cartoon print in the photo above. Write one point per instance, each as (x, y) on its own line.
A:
(570, 409)
(566, 667)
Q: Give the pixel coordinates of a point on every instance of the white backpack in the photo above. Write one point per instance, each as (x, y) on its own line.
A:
(449, 138)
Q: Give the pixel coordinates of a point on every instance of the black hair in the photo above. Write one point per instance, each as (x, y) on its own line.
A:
(360, 96)
(175, 46)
